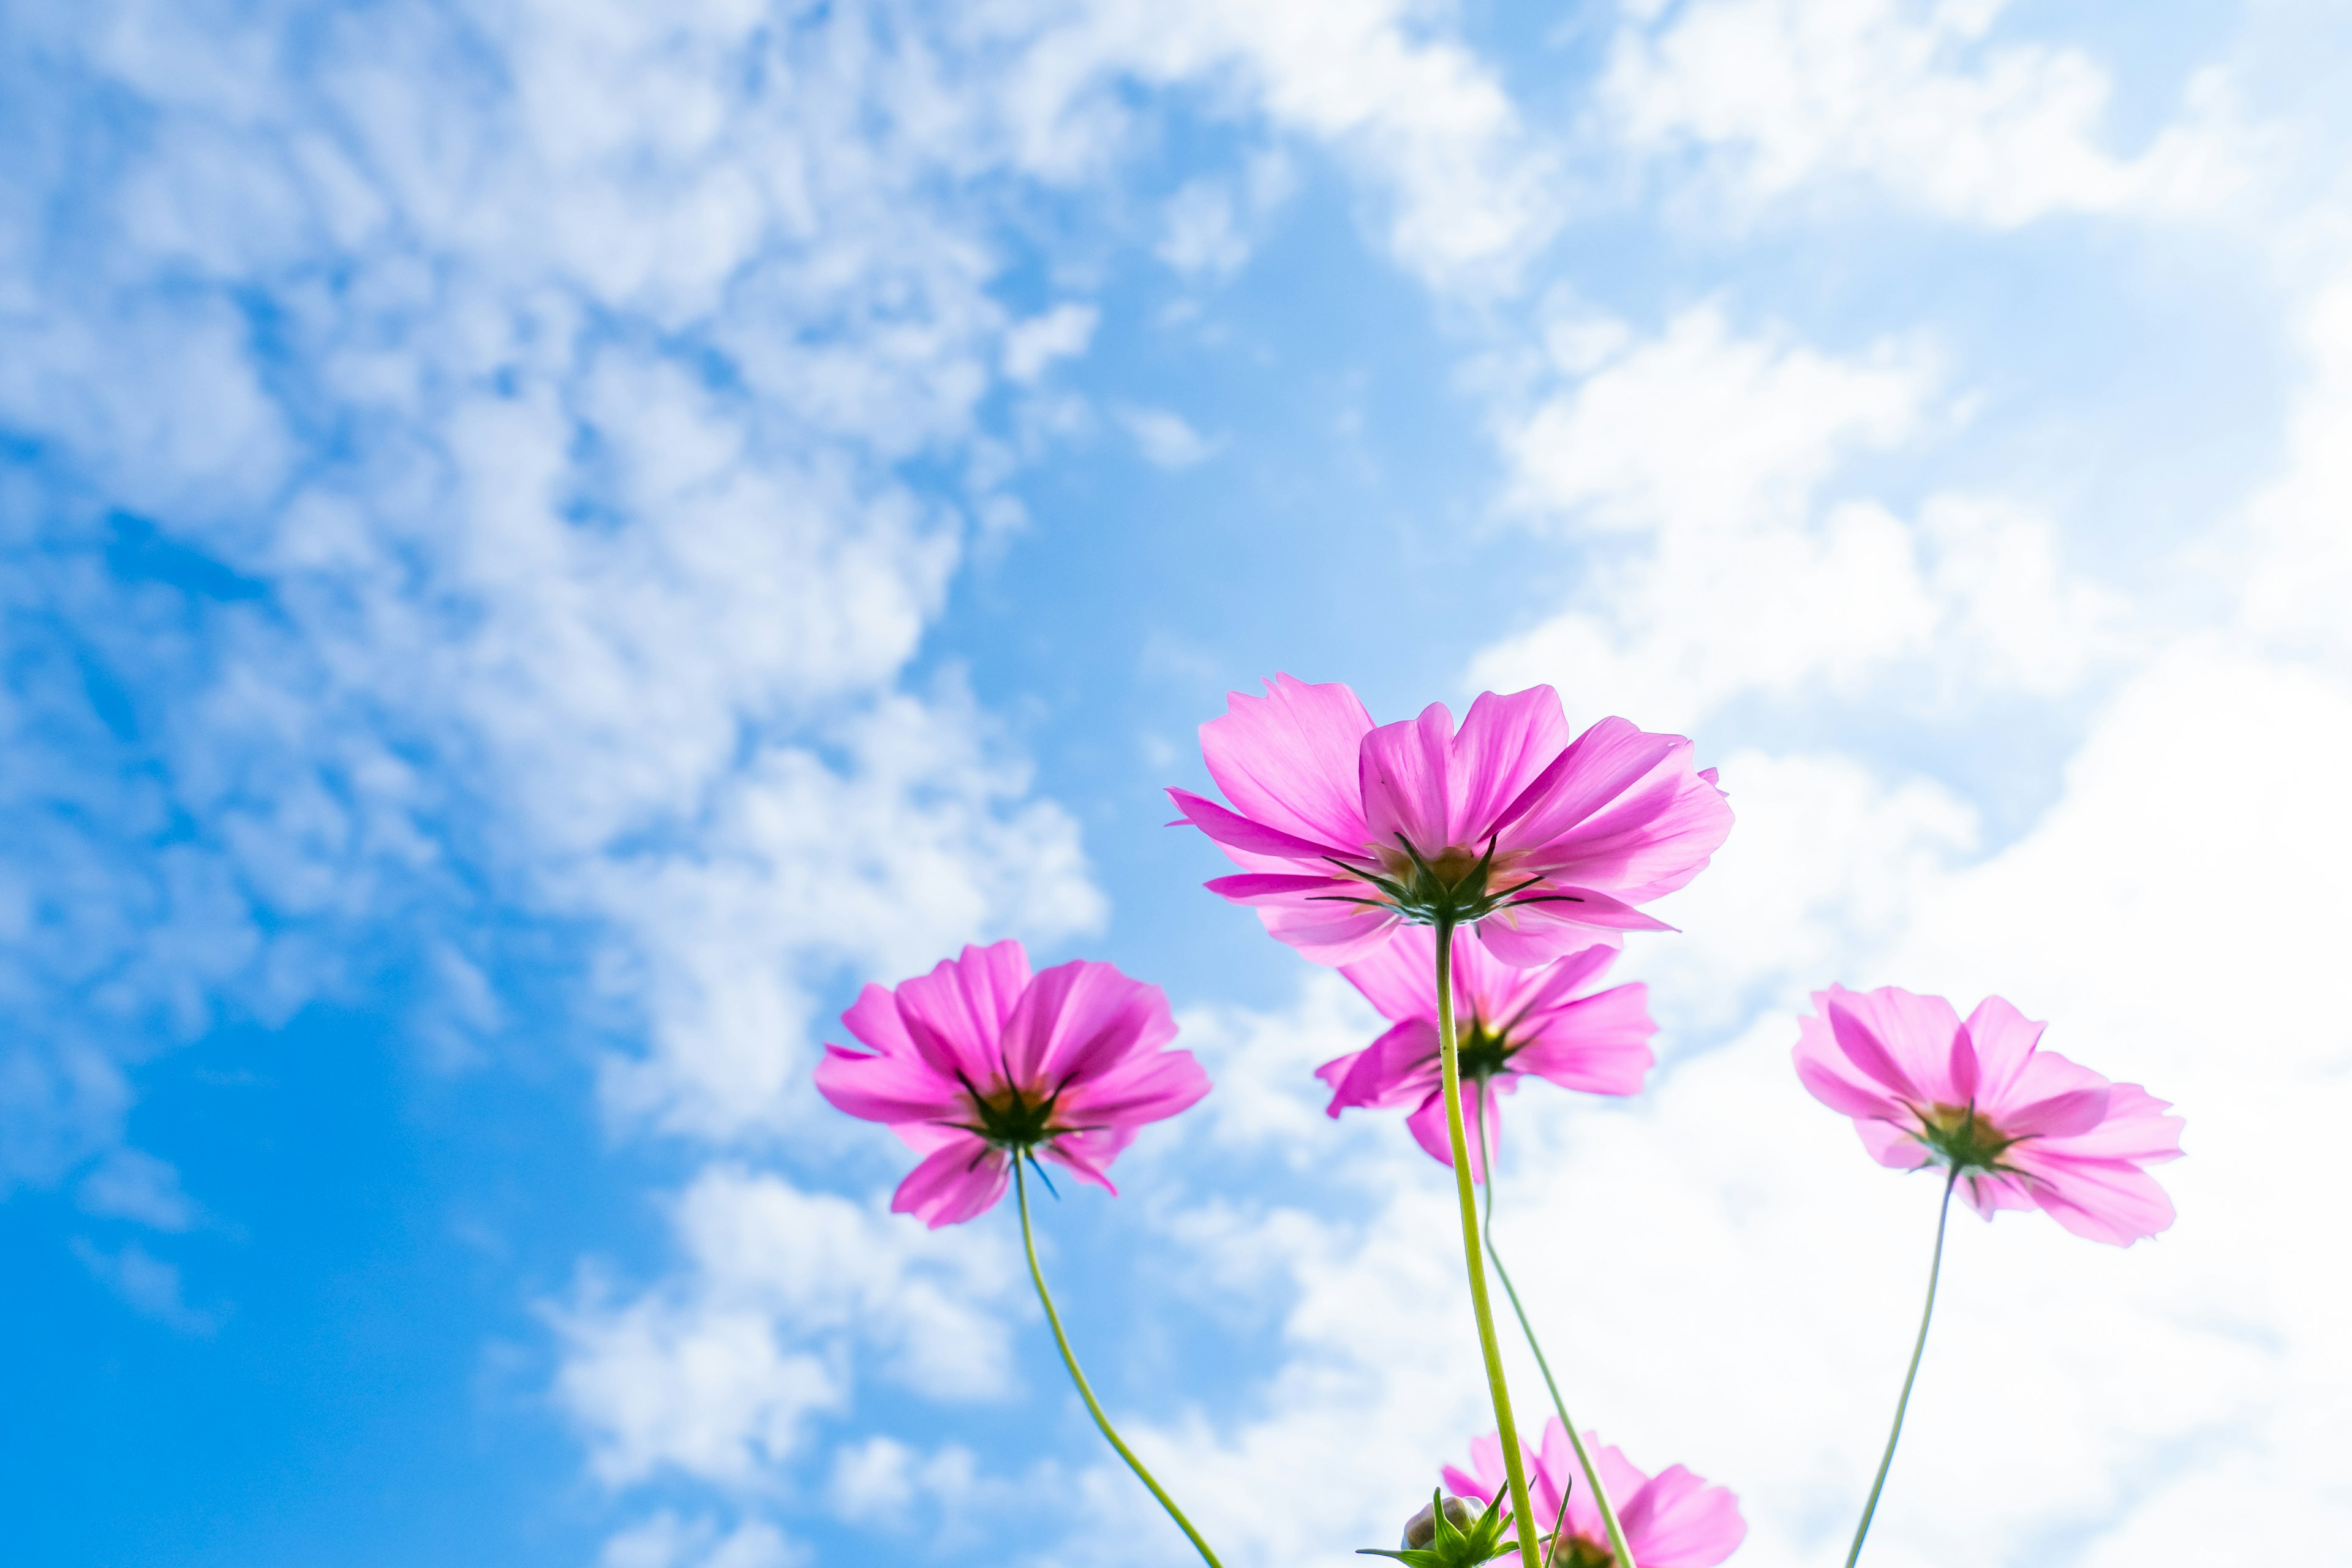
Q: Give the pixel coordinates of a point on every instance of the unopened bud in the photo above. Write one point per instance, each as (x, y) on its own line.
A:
(1421, 1527)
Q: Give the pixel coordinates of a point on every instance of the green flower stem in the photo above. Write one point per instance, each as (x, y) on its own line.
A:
(1943, 1217)
(1623, 1554)
(1514, 1463)
(1029, 1244)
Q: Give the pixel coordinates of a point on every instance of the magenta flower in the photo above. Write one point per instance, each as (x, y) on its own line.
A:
(1343, 829)
(2020, 1127)
(1674, 1520)
(1510, 1021)
(978, 1063)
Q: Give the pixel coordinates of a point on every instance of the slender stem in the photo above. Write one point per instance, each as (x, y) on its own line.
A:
(1943, 1217)
(1514, 1463)
(1029, 1244)
(1617, 1546)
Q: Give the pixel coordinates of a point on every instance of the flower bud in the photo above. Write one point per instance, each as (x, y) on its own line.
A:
(1421, 1527)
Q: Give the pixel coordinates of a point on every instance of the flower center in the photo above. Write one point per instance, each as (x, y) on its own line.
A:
(1582, 1554)
(1482, 1053)
(1961, 1136)
(1009, 1118)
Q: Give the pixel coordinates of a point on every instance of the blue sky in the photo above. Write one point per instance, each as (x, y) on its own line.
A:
(546, 545)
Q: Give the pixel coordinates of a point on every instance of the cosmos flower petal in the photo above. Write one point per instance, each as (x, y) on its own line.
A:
(1405, 770)
(1683, 1522)
(2112, 1201)
(2004, 1040)
(1147, 1088)
(1325, 930)
(1525, 934)
(1234, 831)
(885, 1088)
(1892, 1144)
(1427, 1125)
(955, 1014)
(2136, 1128)
(1505, 744)
(1257, 887)
(1852, 1020)
(1398, 1068)
(1078, 1020)
(1289, 759)
(955, 1183)
(1399, 977)
(1598, 1043)
(2063, 1115)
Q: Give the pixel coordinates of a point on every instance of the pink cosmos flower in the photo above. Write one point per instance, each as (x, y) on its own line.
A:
(980, 1063)
(1674, 1520)
(1508, 1022)
(2025, 1127)
(1343, 829)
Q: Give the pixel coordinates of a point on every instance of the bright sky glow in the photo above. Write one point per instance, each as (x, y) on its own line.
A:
(548, 542)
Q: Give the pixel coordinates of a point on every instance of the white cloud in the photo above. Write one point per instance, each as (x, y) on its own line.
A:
(1713, 449)
(668, 1541)
(128, 1185)
(1164, 437)
(1062, 332)
(2298, 569)
(150, 1285)
(1916, 99)
(1202, 235)
(719, 1370)
(1419, 114)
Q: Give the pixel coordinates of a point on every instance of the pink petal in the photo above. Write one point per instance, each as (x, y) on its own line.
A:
(2004, 1039)
(887, 1088)
(1427, 1125)
(1462, 1483)
(1679, 1521)
(2136, 1128)
(1620, 810)
(1323, 931)
(1252, 886)
(962, 1179)
(1288, 760)
(873, 1020)
(1843, 1094)
(1868, 1055)
(955, 1014)
(1507, 992)
(1087, 1156)
(1140, 1090)
(1890, 1143)
(1077, 1019)
(1234, 831)
(1597, 1044)
(1988, 1192)
(1399, 977)
(2110, 1201)
(1525, 934)
(2060, 1116)
(1397, 1068)
(1505, 745)
(1403, 768)
(1595, 769)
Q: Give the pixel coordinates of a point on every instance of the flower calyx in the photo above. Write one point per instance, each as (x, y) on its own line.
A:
(1961, 1137)
(1009, 1118)
(1454, 888)
(1451, 1533)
